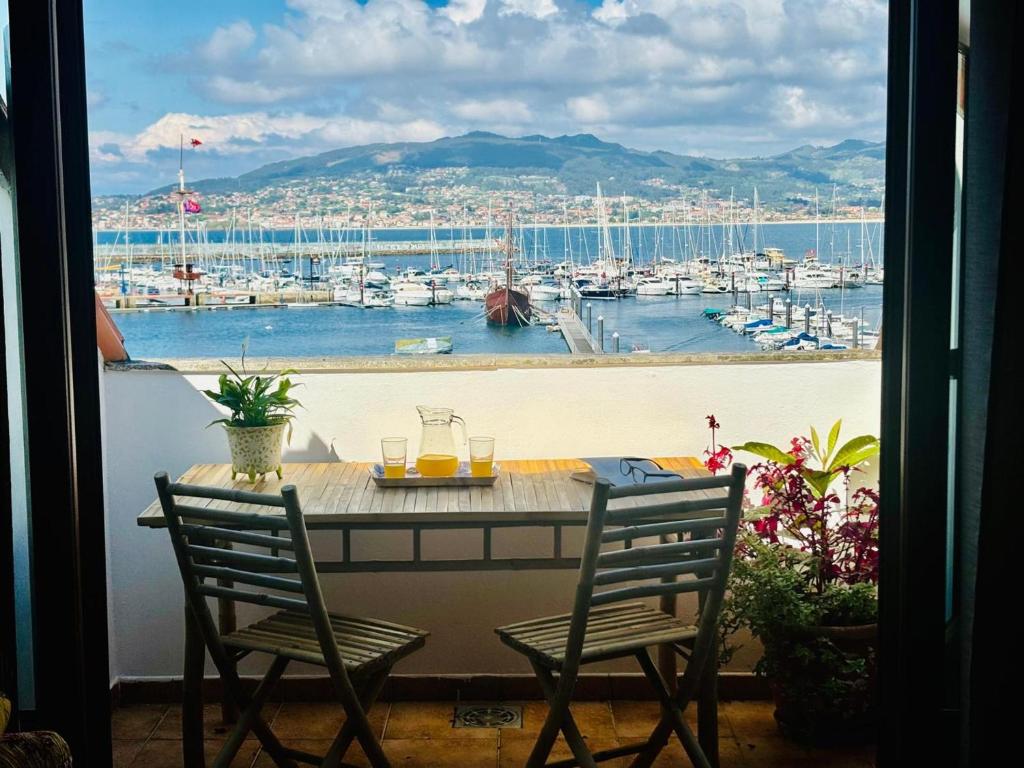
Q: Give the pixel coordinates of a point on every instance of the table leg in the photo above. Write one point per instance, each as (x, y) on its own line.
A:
(192, 694)
(227, 623)
(666, 653)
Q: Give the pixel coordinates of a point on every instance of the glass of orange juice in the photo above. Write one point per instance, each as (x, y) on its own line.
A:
(394, 449)
(481, 456)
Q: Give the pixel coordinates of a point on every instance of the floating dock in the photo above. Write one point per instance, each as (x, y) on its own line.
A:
(576, 335)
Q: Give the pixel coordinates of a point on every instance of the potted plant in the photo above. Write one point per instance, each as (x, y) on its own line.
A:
(804, 582)
(261, 413)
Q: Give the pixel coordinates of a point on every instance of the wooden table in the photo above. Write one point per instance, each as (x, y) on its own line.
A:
(340, 496)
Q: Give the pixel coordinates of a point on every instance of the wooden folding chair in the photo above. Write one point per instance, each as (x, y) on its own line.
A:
(696, 534)
(358, 653)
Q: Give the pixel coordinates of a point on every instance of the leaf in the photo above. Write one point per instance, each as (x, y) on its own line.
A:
(817, 445)
(756, 513)
(855, 451)
(833, 438)
(767, 451)
(819, 480)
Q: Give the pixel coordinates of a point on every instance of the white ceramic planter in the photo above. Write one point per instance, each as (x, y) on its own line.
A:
(255, 450)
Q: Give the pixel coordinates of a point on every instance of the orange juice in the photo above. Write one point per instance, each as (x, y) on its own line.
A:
(437, 465)
(480, 468)
(394, 471)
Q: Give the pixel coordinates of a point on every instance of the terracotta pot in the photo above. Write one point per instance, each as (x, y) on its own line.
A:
(255, 451)
(846, 722)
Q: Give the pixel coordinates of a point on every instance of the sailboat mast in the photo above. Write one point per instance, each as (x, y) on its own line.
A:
(181, 196)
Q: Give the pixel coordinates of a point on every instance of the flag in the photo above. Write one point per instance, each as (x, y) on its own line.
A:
(195, 143)
(191, 206)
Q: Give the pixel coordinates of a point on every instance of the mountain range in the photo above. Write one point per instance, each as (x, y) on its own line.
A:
(573, 164)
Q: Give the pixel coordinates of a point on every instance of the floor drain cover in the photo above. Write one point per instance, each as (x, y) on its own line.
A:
(488, 716)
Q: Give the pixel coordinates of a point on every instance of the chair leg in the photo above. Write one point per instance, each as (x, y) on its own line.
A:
(270, 742)
(356, 715)
(671, 720)
(707, 713)
(367, 698)
(566, 722)
(245, 721)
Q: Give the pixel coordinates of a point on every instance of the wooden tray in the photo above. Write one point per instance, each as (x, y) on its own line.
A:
(413, 479)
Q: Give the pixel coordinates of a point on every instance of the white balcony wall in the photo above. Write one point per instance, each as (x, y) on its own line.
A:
(156, 420)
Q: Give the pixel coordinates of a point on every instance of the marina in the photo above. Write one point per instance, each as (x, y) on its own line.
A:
(620, 286)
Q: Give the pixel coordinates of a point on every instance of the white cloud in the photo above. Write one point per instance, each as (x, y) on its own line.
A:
(230, 90)
(95, 98)
(229, 41)
(588, 109)
(493, 111)
(254, 133)
(537, 9)
(464, 11)
(718, 76)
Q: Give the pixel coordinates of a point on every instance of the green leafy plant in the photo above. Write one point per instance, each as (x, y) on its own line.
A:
(832, 463)
(803, 582)
(254, 400)
(824, 686)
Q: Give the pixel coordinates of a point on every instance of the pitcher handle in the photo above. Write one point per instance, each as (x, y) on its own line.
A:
(462, 423)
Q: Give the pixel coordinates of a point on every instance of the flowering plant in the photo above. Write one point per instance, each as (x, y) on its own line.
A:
(801, 508)
(806, 568)
(717, 457)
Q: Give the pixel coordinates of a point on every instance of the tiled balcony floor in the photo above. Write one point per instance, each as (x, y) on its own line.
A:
(420, 735)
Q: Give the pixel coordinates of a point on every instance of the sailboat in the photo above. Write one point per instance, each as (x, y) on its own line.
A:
(507, 305)
(185, 272)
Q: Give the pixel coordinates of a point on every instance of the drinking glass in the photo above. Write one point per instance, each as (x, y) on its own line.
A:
(394, 449)
(481, 456)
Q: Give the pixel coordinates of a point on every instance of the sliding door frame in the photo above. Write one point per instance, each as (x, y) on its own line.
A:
(916, 370)
(61, 375)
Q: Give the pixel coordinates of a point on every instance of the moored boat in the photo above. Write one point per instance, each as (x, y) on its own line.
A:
(506, 305)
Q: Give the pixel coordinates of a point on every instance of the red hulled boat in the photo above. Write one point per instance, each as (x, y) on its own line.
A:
(506, 305)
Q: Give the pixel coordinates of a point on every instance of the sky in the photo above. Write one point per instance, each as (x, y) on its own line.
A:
(264, 80)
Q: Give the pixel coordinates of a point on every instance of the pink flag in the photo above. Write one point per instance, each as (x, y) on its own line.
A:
(191, 206)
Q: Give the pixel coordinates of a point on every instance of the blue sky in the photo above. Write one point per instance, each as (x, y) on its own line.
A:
(264, 80)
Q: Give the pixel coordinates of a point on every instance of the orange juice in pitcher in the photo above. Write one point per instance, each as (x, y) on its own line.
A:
(438, 456)
(437, 465)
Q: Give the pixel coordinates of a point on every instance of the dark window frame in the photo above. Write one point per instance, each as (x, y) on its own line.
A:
(47, 108)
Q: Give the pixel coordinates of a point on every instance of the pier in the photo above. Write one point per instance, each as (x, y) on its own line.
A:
(576, 335)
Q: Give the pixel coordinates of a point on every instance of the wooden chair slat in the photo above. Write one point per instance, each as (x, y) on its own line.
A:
(236, 536)
(256, 598)
(248, 577)
(652, 590)
(207, 555)
(682, 485)
(670, 509)
(650, 530)
(191, 513)
(226, 494)
(641, 572)
(657, 553)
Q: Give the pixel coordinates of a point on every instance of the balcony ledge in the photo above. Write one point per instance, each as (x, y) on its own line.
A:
(394, 364)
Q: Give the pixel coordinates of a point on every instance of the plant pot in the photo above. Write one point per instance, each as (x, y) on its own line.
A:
(839, 711)
(255, 451)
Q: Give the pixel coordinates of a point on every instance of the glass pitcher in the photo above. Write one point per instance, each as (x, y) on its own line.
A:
(438, 456)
